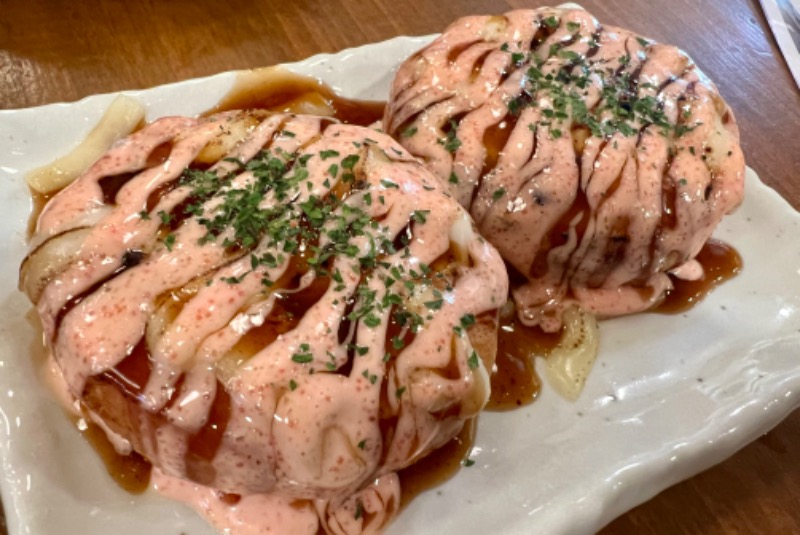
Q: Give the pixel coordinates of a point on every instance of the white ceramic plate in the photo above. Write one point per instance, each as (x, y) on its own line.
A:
(669, 396)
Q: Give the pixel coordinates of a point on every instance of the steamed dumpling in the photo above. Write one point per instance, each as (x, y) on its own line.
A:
(270, 305)
(595, 160)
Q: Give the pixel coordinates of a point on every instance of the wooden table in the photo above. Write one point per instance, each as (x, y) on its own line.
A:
(62, 51)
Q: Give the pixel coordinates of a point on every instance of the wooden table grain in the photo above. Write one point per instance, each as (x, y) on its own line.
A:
(52, 51)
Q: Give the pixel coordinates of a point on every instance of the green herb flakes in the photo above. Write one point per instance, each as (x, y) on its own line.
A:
(551, 21)
(410, 131)
(473, 361)
(303, 356)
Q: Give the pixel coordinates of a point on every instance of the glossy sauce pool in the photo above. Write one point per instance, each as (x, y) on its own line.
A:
(514, 382)
(279, 90)
(130, 472)
(720, 262)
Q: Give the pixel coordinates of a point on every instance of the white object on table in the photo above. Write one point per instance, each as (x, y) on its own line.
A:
(784, 19)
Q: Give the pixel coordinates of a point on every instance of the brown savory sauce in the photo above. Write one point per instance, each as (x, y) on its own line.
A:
(514, 382)
(204, 444)
(438, 466)
(279, 90)
(720, 262)
(494, 139)
(38, 202)
(130, 472)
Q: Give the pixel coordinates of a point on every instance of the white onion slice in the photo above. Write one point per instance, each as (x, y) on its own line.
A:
(118, 121)
(50, 260)
(569, 364)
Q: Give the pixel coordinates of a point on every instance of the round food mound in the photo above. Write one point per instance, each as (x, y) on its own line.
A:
(270, 304)
(595, 160)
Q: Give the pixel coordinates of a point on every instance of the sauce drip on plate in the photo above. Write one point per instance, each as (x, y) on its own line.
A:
(720, 262)
(439, 466)
(130, 472)
(279, 90)
(515, 382)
